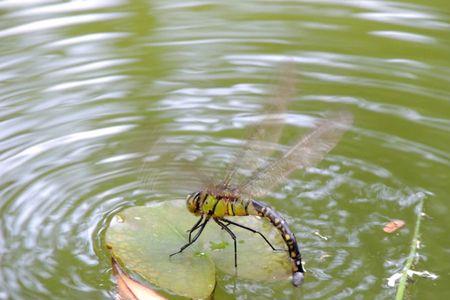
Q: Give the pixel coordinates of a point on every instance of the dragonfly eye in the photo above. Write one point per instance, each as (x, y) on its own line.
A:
(192, 202)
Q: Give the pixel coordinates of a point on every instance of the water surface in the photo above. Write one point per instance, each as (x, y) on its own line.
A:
(110, 104)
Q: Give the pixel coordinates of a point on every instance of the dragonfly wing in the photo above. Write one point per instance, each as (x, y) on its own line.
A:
(166, 167)
(262, 137)
(307, 152)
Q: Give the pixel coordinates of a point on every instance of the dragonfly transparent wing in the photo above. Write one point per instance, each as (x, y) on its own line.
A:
(166, 167)
(307, 152)
(263, 136)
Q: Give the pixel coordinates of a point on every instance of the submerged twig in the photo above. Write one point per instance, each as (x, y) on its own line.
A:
(412, 255)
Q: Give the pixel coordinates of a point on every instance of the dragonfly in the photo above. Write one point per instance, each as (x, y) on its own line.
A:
(236, 194)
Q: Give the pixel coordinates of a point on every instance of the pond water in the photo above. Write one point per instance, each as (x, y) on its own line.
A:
(92, 91)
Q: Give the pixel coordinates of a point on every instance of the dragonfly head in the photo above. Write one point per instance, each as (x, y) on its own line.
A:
(193, 202)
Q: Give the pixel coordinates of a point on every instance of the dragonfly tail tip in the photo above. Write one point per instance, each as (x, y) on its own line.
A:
(298, 278)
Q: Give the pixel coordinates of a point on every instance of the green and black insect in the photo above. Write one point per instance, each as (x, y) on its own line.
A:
(235, 194)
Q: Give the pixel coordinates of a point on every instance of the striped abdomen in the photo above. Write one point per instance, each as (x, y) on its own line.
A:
(219, 206)
(264, 210)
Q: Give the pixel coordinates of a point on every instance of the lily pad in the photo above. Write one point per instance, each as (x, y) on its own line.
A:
(142, 238)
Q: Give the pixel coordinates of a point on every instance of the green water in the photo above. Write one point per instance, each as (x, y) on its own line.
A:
(88, 88)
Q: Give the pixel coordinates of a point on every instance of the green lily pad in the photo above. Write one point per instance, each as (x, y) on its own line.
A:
(142, 238)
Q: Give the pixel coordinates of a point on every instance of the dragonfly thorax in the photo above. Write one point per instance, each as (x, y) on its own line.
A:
(218, 205)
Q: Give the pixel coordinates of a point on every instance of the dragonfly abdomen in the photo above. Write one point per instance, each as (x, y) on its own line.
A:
(219, 207)
(288, 236)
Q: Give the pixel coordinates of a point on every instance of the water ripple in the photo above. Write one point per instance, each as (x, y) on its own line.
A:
(59, 23)
(405, 36)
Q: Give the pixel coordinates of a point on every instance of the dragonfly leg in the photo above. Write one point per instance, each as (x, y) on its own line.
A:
(202, 226)
(233, 236)
(254, 231)
(195, 227)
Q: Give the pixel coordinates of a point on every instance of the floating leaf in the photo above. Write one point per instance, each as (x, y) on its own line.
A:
(130, 289)
(393, 226)
(141, 239)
